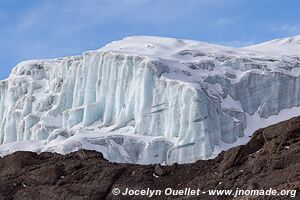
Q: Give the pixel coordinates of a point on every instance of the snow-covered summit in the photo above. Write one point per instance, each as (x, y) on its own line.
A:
(148, 99)
(289, 46)
(162, 47)
(170, 48)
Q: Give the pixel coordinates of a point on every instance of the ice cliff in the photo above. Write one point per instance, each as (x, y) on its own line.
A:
(148, 99)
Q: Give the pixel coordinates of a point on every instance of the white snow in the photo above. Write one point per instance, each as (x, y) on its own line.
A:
(285, 46)
(150, 99)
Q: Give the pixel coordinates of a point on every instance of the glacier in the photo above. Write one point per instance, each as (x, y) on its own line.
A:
(148, 99)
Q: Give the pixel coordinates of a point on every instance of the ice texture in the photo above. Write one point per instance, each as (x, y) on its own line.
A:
(146, 99)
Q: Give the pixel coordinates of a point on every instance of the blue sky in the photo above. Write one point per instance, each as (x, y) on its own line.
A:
(32, 29)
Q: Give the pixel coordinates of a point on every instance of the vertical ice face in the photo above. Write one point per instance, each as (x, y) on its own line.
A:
(166, 101)
(115, 90)
(3, 91)
(130, 90)
(267, 93)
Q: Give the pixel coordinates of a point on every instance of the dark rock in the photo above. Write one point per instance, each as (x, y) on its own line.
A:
(158, 170)
(271, 159)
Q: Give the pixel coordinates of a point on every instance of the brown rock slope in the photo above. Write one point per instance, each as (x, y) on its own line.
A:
(270, 160)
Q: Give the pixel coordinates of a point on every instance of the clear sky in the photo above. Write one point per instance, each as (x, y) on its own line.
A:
(32, 29)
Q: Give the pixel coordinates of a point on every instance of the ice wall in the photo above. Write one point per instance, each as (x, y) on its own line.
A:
(179, 110)
(267, 93)
(112, 90)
